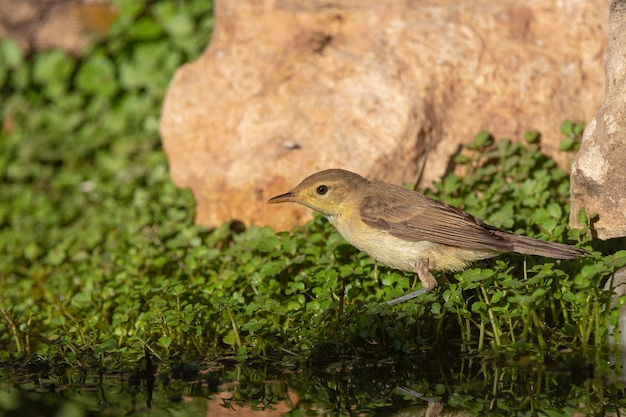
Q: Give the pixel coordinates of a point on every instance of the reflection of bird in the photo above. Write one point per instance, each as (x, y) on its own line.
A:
(406, 230)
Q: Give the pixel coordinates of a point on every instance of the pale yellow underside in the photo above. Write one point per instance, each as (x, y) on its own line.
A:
(404, 255)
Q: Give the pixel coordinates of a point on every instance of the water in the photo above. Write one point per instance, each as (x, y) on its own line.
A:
(407, 385)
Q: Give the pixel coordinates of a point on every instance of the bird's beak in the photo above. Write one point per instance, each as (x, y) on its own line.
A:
(289, 197)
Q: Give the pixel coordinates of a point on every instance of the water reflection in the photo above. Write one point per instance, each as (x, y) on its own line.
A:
(409, 385)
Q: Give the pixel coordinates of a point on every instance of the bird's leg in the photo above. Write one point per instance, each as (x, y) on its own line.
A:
(428, 283)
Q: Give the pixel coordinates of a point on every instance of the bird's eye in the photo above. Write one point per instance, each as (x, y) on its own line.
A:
(322, 189)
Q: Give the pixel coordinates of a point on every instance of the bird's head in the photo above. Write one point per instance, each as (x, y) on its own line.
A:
(326, 191)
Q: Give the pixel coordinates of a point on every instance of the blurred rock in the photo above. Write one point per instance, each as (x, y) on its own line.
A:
(290, 87)
(599, 171)
(64, 24)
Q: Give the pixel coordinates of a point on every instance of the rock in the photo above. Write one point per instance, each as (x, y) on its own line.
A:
(64, 24)
(599, 170)
(290, 87)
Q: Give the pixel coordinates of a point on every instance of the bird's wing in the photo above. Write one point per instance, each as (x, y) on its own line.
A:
(416, 217)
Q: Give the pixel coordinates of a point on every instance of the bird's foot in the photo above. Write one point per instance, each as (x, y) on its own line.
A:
(408, 296)
(428, 283)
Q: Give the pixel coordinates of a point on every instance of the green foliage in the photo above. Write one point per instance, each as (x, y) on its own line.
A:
(540, 302)
(101, 259)
(87, 210)
(511, 185)
(573, 133)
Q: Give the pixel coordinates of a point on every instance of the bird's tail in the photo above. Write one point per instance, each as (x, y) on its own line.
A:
(530, 246)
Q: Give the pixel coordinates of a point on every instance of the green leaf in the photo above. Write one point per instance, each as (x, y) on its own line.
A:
(268, 245)
(482, 140)
(108, 345)
(97, 76)
(165, 341)
(582, 216)
(567, 144)
(145, 28)
(555, 210)
(230, 338)
(532, 136)
(567, 127)
(179, 24)
(579, 128)
(53, 70)
(497, 296)
(11, 55)
(52, 67)
(21, 77)
(479, 306)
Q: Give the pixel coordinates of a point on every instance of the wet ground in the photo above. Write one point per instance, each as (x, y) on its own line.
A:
(408, 385)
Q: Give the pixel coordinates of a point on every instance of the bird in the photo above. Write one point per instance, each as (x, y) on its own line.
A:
(406, 230)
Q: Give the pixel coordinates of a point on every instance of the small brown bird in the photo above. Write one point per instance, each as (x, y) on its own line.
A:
(406, 230)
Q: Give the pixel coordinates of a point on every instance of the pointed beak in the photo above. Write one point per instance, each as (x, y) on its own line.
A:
(289, 197)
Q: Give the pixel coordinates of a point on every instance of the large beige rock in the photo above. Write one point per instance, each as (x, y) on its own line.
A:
(599, 171)
(290, 87)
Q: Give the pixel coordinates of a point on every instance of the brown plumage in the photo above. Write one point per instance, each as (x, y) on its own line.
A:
(406, 230)
(427, 219)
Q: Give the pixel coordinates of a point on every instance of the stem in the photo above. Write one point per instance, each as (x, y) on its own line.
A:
(539, 333)
(481, 338)
(496, 333)
(235, 329)
(511, 329)
(16, 336)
